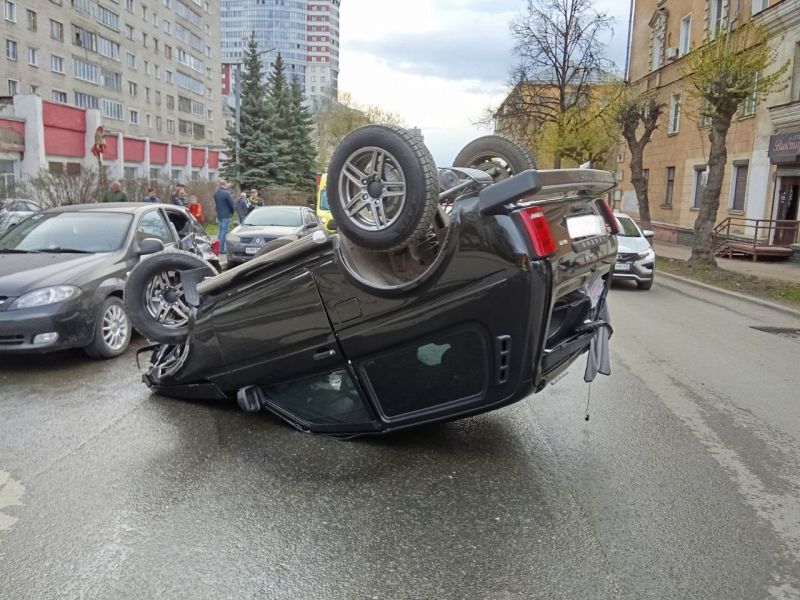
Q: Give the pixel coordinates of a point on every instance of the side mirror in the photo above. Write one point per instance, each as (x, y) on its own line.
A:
(648, 234)
(312, 225)
(332, 225)
(150, 246)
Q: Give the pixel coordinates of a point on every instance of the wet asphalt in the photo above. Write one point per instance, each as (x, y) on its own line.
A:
(685, 483)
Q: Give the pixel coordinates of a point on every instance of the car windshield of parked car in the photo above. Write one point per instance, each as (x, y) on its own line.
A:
(628, 227)
(323, 200)
(276, 216)
(68, 232)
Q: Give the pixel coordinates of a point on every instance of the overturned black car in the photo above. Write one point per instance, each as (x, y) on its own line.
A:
(443, 294)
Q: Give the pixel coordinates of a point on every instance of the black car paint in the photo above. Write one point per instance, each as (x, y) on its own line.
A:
(311, 315)
(97, 275)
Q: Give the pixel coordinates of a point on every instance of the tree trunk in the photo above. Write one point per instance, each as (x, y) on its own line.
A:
(703, 248)
(640, 185)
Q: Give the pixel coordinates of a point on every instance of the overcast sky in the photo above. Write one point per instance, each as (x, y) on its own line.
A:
(439, 63)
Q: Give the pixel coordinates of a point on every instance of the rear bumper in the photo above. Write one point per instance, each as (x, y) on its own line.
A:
(73, 322)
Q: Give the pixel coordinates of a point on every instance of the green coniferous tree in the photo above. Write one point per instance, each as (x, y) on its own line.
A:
(258, 152)
(302, 153)
(279, 110)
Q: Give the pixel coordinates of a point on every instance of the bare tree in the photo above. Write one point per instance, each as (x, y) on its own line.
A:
(721, 75)
(60, 189)
(636, 115)
(559, 44)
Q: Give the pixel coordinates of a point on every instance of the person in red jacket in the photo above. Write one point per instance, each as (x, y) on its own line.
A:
(196, 209)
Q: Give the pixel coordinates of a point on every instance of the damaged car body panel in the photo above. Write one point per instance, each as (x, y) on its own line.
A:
(343, 341)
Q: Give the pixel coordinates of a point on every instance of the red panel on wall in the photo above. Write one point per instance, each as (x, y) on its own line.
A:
(132, 150)
(179, 155)
(112, 152)
(18, 126)
(198, 157)
(63, 117)
(158, 153)
(213, 159)
(12, 136)
(64, 142)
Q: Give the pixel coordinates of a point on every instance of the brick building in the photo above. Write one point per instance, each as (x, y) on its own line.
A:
(762, 179)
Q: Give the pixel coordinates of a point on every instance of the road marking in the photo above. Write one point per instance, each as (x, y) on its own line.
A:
(11, 492)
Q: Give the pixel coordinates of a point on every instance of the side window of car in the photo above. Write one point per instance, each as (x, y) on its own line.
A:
(446, 368)
(152, 225)
(309, 217)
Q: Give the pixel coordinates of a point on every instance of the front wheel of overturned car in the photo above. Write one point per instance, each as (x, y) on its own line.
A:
(383, 188)
(154, 295)
(499, 156)
(112, 331)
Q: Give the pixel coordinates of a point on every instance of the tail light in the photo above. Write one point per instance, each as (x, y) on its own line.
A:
(611, 220)
(539, 231)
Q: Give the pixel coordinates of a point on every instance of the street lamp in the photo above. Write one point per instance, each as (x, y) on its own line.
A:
(238, 98)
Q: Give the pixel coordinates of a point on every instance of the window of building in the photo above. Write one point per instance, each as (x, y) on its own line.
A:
(132, 88)
(10, 11)
(670, 186)
(57, 30)
(131, 60)
(170, 102)
(749, 105)
(85, 100)
(686, 35)
(34, 89)
(59, 96)
(148, 119)
(108, 48)
(796, 74)
(111, 109)
(154, 18)
(13, 87)
(130, 32)
(147, 94)
(11, 50)
(715, 17)
(759, 5)
(167, 51)
(83, 38)
(158, 123)
(167, 26)
(85, 70)
(111, 79)
(739, 185)
(144, 40)
(33, 57)
(147, 67)
(155, 172)
(170, 126)
(144, 12)
(56, 168)
(107, 17)
(129, 5)
(699, 186)
(33, 19)
(158, 98)
(133, 117)
(674, 113)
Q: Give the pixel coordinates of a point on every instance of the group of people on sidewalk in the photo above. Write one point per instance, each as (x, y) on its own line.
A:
(178, 198)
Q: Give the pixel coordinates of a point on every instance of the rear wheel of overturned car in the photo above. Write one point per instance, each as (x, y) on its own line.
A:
(112, 330)
(155, 298)
(383, 188)
(499, 156)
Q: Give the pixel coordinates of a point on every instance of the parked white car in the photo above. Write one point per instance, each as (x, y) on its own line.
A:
(14, 210)
(636, 259)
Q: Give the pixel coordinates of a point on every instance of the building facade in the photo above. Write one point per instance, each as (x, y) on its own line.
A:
(762, 178)
(149, 70)
(306, 34)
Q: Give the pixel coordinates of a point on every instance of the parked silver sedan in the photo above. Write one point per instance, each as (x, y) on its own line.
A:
(266, 224)
(636, 259)
(14, 210)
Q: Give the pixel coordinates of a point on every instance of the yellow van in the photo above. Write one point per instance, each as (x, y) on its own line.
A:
(323, 209)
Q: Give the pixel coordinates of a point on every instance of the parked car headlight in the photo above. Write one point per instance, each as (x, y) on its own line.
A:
(647, 254)
(45, 296)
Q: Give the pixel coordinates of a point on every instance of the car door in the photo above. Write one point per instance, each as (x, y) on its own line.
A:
(152, 224)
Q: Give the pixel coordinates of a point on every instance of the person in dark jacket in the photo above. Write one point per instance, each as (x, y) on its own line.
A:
(179, 197)
(242, 207)
(225, 210)
(151, 196)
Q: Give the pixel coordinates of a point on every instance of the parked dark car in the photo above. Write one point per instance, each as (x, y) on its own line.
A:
(408, 314)
(62, 273)
(14, 210)
(265, 224)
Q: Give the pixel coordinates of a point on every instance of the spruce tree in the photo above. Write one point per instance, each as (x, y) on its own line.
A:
(302, 153)
(279, 110)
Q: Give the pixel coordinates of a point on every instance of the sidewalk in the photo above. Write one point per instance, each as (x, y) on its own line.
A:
(783, 270)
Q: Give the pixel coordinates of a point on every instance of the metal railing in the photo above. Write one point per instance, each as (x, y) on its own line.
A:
(755, 236)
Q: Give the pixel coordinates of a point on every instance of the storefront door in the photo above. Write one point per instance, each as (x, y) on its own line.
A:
(788, 200)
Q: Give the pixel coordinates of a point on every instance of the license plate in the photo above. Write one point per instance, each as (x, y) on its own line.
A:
(251, 250)
(622, 267)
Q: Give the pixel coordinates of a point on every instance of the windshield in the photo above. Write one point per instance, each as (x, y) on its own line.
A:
(275, 215)
(323, 200)
(627, 228)
(68, 231)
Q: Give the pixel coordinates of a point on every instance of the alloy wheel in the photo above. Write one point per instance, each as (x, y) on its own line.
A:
(165, 300)
(115, 327)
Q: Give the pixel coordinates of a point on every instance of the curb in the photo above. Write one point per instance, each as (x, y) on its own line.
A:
(710, 288)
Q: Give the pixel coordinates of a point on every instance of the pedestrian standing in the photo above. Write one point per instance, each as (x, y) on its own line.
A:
(196, 209)
(173, 199)
(181, 199)
(242, 207)
(225, 209)
(115, 194)
(255, 200)
(151, 196)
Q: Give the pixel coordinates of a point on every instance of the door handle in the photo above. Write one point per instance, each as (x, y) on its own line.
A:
(323, 354)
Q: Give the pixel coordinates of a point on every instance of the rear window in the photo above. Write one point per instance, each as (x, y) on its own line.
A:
(77, 231)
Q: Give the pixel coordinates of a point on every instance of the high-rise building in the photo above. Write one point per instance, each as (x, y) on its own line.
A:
(306, 34)
(149, 68)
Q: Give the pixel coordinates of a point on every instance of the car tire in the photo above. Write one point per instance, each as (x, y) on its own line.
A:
(499, 156)
(275, 244)
(154, 297)
(112, 330)
(646, 285)
(383, 188)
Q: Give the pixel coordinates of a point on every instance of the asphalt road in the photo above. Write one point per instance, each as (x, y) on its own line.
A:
(684, 484)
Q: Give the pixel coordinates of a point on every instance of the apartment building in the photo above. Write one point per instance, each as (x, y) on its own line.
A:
(306, 34)
(149, 68)
(762, 179)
